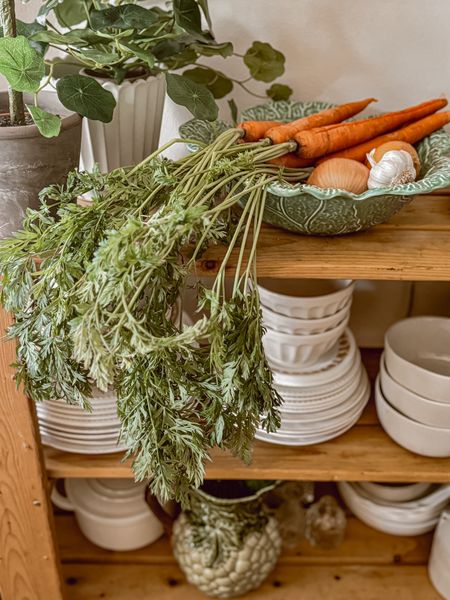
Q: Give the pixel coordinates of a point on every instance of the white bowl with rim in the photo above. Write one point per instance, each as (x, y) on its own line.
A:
(412, 435)
(417, 356)
(305, 298)
(375, 516)
(418, 408)
(287, 349)
(296, 326)
(395, 492)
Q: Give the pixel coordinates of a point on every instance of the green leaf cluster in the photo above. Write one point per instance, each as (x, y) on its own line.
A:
(125, 39)
(100, 307)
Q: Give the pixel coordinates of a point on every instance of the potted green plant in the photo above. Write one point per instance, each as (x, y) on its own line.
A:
(134, 53)
(37, 147)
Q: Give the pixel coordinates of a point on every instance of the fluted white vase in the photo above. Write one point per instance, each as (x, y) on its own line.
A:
(134, 130)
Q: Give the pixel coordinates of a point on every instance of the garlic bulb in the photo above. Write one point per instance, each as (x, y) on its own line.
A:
(397, 145)
(394, 168)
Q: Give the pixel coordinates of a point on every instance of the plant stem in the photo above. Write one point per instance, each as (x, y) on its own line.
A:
(8, 18)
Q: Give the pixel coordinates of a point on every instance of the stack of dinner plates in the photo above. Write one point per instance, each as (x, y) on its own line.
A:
(323, 400)
(72, 429)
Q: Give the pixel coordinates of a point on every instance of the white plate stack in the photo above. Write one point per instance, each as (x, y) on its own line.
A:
(316, 364)
(72, 429)
(413, 389)
(413, 509)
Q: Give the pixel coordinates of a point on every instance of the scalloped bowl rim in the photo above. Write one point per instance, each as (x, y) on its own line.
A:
(287, 190)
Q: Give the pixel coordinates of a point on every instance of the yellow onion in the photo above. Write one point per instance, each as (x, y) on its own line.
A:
(341, 173)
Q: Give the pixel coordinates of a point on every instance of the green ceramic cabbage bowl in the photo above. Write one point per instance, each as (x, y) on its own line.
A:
(310, 210)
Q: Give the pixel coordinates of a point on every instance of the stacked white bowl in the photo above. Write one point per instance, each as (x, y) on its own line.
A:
(406, 510)
(316, 365)
(72, 429)
(303, 318)
(112, 513)
(413, 389)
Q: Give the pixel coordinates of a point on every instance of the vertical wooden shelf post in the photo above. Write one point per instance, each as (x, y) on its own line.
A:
(29, 561)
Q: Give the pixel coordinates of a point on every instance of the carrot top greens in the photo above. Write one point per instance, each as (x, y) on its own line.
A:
(95, 308)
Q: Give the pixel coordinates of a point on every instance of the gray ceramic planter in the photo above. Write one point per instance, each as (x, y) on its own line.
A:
(30, 162)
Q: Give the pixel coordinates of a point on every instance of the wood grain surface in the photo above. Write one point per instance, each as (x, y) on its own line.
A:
(29, 561)
(414, 245)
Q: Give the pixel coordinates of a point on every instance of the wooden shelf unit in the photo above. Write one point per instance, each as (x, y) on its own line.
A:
(414, 245)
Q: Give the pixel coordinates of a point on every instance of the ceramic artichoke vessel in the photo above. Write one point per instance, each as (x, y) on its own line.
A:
(311, 210)
(226, 547)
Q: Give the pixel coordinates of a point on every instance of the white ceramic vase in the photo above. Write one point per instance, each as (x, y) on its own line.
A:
(134, 130)
(439, 565)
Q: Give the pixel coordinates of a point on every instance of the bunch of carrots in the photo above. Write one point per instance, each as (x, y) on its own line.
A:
(324, 135)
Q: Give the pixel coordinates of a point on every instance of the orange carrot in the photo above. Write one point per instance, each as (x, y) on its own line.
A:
(286, 132)
(256, 130)
(412, 133)
(312, 144)
(291, 161)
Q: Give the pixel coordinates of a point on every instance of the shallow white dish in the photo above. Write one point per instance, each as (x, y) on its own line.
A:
(417, 356)
(80, 436)
(296, 326)
(418, 408)
(323, 408)
(294, 350)
(395, 493)
(76, 448)
(307, 404)
(324, 424)
(307, 440)
(305, 298)
(414, 436)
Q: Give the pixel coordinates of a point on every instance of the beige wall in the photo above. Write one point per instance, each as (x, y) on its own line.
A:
(396, 50)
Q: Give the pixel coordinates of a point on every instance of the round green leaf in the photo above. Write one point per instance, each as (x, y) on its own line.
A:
(278, 91)
(98, 57)
(187, 15)
(22, 66)
(126, 16)
(264, 62)
(29, 29)
(216, 82)
(86, 96)
(70, 12)
(48, 124)
(194, 96)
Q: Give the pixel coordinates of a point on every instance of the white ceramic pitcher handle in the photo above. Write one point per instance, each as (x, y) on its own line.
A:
(61, 501)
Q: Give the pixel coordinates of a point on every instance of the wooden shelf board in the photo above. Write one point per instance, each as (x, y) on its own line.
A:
(362, 546)
(414, 245)
(365, 453)
(369, 565)
(286, 582)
